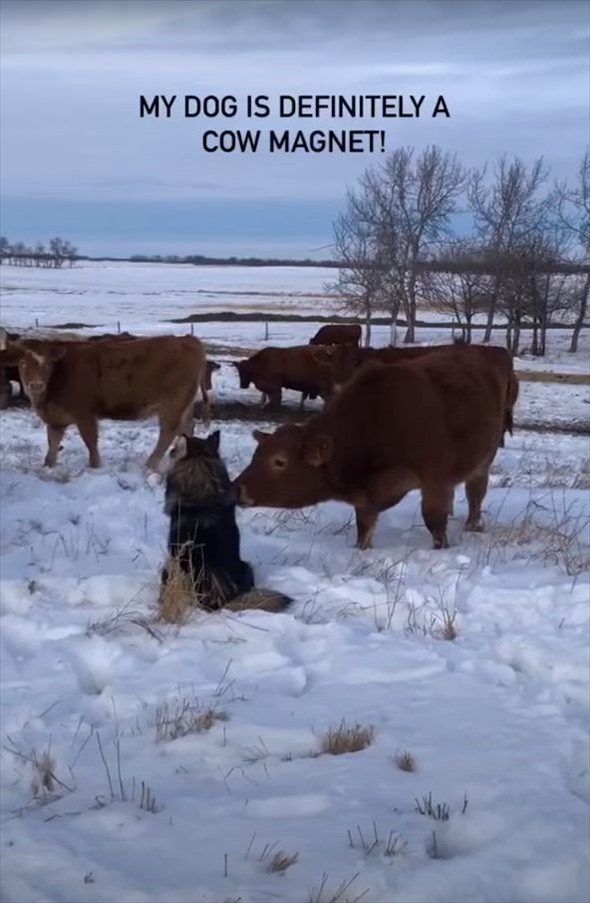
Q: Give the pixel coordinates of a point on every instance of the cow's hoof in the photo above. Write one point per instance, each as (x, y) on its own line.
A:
(474, 527)
(364, 544)
(441, 543)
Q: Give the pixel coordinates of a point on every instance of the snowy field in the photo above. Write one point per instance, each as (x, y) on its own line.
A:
(143, 298)
(147, 763)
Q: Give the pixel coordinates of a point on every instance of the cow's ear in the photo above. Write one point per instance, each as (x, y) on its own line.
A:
(259, 435)
(317, 450)
(213, 440)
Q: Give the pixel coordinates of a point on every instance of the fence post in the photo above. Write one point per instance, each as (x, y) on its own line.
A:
(119, 326)
(192, 328)
(266, 332)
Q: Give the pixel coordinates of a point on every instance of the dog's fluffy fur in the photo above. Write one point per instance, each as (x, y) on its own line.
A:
(204, 540)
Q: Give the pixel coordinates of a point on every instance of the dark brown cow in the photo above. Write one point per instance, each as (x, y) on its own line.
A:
(347, 360)
(82, 382)
(430, 423)
(302, 368)
(347, 334)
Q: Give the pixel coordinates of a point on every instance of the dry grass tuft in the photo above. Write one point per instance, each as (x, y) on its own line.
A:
(344, 739)
(177, 597)
(147, 800)
(281, 861)
(545, 531)
(117, 622)
(437, 811)
(447, 628)
(182, 717)
(43, 782)
(395, 845)
(46, 787)
(339, 894)
(405, 761)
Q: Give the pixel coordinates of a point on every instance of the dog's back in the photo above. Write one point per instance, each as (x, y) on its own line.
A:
(204, 539)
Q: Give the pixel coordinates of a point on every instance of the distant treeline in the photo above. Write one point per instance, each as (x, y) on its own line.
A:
(55, 255)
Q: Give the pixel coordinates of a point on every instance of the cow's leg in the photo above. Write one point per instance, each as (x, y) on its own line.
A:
(89, 431)
(475, 490)
(302, 402)
(54, 437)
(366, 521)
(187, 421)
(437, 501)
(275, 396)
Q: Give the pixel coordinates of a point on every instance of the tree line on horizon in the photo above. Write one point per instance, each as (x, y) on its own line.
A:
(526, 262)
(55, 255)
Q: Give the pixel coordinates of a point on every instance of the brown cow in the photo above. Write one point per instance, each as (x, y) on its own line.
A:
(430, 423)
(54, 339)
(347, 360)
(302, 368)
(82, 382)
(347, 334)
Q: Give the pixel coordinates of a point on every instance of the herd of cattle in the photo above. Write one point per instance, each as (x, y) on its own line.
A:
(394, 419)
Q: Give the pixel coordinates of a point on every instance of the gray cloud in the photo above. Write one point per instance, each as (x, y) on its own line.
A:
(515, 75)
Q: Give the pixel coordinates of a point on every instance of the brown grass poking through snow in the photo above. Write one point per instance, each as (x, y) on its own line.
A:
(177, 597)
(344, 739)
(281, 861)
(341, 894)
(182, 717)
(448, 630)
(43, 782)
(405, 761)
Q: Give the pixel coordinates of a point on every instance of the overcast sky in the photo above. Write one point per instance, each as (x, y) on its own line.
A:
(76, 159)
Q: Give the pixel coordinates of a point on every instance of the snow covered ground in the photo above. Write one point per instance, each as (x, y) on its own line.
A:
(148, 763)
(498, 716)
(143, 298)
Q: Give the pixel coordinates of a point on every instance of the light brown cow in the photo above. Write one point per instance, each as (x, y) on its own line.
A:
(301, 368)
(341, 334)
(430, 423)
(82, 382)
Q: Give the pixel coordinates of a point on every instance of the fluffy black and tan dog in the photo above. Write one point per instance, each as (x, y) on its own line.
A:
(203, 539)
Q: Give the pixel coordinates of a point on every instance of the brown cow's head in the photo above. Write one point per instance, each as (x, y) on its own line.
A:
(286, 471)
(244, 373)
(35, 369)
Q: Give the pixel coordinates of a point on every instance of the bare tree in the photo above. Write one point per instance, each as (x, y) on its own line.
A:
(506, 213)
(458, 284)
(574, 212)
(405, 204)
(360, 281)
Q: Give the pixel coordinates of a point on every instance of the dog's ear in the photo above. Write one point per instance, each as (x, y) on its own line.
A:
(180, 448)
(213, 441)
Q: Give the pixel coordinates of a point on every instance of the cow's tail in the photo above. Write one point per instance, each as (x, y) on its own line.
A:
(205, 404)
(511, 398)
(261, 599)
